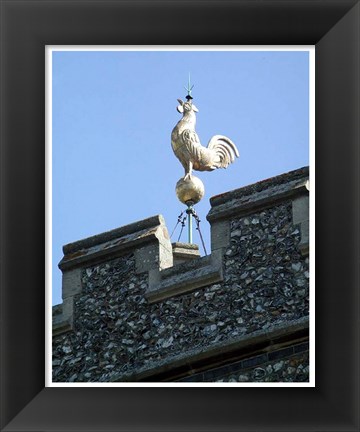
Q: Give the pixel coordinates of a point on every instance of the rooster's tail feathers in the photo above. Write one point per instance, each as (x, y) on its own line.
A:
(225, 149)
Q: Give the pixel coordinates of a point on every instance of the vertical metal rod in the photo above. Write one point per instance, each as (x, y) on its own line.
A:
(190, 224)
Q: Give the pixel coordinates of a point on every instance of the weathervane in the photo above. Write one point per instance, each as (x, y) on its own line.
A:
(219, 153)
(188, 89)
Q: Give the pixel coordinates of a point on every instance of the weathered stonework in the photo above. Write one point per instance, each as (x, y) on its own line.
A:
(135, 317)
(184, 252)
(291, 369)
(290, 364)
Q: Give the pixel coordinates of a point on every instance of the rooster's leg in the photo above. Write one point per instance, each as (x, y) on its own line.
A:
(188, 171)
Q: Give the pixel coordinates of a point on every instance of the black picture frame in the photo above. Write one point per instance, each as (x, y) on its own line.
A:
(26, 28)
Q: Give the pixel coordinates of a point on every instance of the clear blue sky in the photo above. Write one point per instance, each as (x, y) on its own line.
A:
(113, 113)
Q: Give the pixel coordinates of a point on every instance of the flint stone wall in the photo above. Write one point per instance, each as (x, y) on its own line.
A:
(118, 333)
(287, 365)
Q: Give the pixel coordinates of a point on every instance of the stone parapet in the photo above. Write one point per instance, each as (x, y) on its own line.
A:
(117, 242)
(259, 196)
(148, 240)
(292, 186)
(132, 311)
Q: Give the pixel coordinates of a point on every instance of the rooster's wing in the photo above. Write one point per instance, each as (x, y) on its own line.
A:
(193, 151)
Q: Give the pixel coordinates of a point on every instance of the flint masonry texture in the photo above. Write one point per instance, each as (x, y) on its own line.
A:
(130, 315)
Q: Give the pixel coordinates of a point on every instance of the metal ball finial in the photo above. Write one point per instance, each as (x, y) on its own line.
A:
(190, 189)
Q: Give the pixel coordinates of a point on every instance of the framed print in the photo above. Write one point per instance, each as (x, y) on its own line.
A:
(237, 299)
(27, 28)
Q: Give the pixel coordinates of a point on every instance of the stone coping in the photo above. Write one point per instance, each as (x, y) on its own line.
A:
(253, 188)
(120, 239)
(187, 246)
(116, 233)
(184, 277)
(257, 196)
(191, 357)
(185, 250)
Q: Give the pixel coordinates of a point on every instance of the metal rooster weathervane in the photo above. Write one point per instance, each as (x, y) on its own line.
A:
(219, 153)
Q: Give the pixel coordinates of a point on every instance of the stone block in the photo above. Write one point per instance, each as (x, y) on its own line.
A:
(68, 308)
(304, 243)
(300, 212)
(165, 248)
(147, 258)
(63, 319)
(301, 209)
(220, 234)
(183, 252)
(71, 283)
